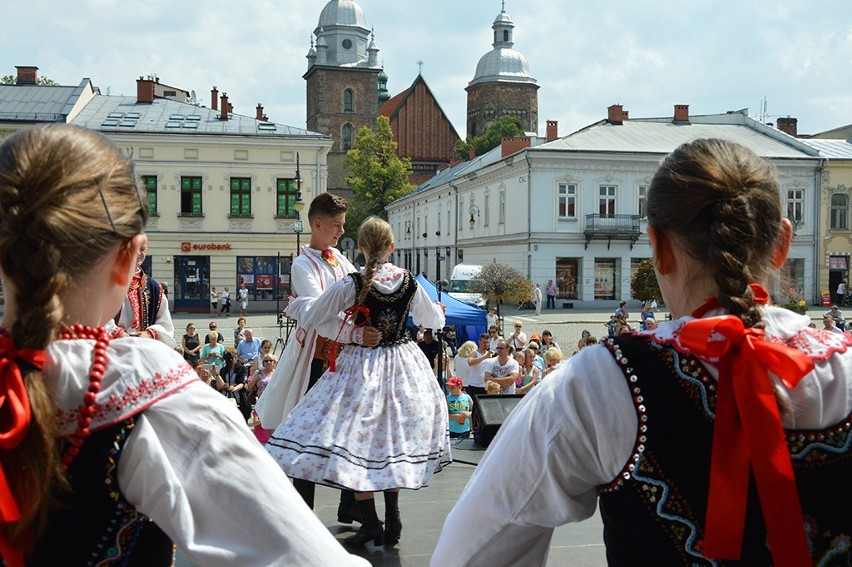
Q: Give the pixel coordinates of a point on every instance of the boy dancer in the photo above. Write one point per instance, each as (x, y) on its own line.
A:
(305, 358)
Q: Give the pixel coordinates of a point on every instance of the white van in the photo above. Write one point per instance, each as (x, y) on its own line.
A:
(460, 284)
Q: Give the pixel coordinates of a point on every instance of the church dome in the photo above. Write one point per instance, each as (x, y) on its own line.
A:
(502, 64)
(342, 13)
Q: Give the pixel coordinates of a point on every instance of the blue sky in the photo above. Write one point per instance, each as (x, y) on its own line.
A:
(649, 55)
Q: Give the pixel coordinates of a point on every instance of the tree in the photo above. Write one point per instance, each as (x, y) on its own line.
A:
(498, 283)
(11, 80)
(506, 126)
(377, 174)
(643, 283)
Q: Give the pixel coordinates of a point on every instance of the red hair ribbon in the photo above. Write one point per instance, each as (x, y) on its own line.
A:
(14, 412)
(332, 353)
(748, 435)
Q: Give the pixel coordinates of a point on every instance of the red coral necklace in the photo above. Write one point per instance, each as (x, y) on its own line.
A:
(86, 410)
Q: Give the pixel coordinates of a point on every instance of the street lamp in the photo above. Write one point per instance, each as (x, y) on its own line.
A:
(298, 205)
(473, 210)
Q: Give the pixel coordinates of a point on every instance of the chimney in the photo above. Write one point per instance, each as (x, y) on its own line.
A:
(144, 90)
(615, 114)
(681, 113)
(27, 75)
(259, 114)
(214, 98)
(510, 145)
(789, 126)
(552, 130)
(225, 106)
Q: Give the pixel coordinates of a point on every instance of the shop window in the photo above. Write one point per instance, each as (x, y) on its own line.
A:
(606, 277)
(263, 275)
(567, 276)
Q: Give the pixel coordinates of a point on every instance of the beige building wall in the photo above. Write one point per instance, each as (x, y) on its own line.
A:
(836, 241)
(216, 234)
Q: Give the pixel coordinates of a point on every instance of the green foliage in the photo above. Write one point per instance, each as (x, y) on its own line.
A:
(499, 282)
(502, 127)
(377, 174)
(643, 283)
(12, 79)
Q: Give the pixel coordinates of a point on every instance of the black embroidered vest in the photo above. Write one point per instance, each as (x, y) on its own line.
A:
(93, 524)
(389, 313)
(654, 511)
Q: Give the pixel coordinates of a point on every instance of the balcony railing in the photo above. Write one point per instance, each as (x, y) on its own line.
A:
(612, 227)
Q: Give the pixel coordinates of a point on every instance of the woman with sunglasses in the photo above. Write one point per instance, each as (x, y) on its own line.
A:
(258, 383)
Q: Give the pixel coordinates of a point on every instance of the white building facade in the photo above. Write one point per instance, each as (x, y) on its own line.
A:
(572, 209)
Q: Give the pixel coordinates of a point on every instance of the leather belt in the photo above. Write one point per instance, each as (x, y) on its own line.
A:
(324, 347)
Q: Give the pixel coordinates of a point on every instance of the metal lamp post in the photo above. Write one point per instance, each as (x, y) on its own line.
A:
(298, 205)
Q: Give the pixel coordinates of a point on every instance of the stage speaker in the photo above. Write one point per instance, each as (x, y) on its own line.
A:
(489, 413)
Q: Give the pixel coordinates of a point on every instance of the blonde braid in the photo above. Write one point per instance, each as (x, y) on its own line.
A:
(68, 199)
(375, 237)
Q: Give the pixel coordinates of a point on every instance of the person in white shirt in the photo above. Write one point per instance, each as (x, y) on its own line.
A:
(491, 319)
(518, 339)
(494, 338)
(536, 298)
(503, 369)
(477, 366)
(750, 468)
(243, 292)
(305, 358)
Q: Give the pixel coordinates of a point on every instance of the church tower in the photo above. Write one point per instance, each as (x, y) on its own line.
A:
(502, 84)
(342, 82)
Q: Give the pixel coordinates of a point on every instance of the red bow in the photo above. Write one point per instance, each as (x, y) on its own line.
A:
(14, 412)
(332, 353)
(748, 434)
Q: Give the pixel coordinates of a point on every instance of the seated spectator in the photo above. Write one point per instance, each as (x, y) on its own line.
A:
(213, 352)
(213, 327)
(552, 358)
(547, 341)
(650, 323)
(238, 332)
(531, 372)
(828, 324)
(232, 384)
(248, 348)
(538, 361)
(503, 369)
(835, 314)
(646, 314)
(460, 406)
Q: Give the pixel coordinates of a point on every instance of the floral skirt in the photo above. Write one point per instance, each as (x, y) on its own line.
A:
(378, 422)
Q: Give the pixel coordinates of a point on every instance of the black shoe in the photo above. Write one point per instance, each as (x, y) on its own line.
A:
(393, 527)
(364, 535)
(347, 510)
(371, 528)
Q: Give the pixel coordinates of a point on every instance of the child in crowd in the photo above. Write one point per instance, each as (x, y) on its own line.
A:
(460, 407)
(492, 387)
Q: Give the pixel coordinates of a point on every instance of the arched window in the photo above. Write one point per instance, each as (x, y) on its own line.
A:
(347, 137)
(839, 209)
(348, 100)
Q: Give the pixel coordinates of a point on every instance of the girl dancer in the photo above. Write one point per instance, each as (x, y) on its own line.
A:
(377, 419)
(112, 448)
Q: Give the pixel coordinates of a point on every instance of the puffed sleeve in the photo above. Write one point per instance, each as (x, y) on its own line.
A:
(196, 470)
(572, 433)
(426, 312)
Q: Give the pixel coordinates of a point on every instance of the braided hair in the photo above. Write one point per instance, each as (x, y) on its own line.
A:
(68, 199)
(720, 200)
(375, 238)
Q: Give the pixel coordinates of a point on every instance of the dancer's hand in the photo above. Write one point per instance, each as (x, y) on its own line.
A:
(372, 336)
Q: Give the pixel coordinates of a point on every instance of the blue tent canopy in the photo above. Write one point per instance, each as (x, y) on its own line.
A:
(469, 320)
